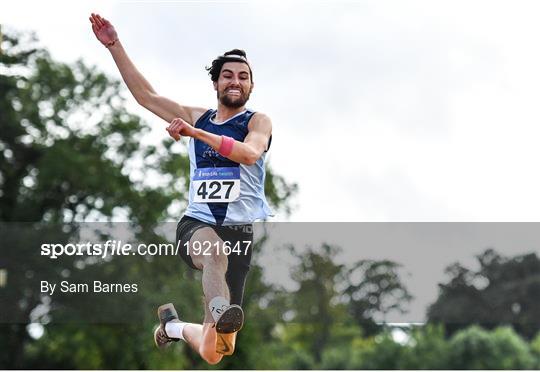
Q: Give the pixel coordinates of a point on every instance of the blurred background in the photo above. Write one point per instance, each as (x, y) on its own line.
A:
(383, 111)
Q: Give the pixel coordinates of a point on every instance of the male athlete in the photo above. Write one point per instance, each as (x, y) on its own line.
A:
(227, 148)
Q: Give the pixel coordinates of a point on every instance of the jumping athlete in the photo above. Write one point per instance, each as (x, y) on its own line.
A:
(227, 148)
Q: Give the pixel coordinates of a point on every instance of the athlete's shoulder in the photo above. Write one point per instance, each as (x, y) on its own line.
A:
(205, 115)
(260, 119)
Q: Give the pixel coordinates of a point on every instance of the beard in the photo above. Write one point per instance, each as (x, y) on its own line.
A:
(233, 102)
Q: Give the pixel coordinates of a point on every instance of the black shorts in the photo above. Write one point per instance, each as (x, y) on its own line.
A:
(237, 237)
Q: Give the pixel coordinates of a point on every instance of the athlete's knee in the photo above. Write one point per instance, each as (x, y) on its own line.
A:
(210, 355)
(212, 252)
(217, 259)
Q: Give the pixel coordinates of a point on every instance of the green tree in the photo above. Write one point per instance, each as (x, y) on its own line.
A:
(535, 349)
(426, 348)
(502, 348)
(314, 303)
(335, 303)
(373, 290)
(65, 145)
(504, 290)
(377, 352)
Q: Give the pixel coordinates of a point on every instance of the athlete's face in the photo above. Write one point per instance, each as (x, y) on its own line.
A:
(234, 84)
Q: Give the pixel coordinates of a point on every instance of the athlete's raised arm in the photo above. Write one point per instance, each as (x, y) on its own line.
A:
(139, 87)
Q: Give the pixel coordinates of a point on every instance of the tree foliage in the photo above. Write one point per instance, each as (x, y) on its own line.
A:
(476, 348)
(338, 303)
(504, 290)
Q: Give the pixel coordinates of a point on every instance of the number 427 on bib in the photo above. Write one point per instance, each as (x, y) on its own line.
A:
(216, 185)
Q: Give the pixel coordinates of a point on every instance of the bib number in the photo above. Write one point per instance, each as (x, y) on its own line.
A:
(216, 185)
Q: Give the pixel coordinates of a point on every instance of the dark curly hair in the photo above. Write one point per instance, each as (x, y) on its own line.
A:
(235, 55)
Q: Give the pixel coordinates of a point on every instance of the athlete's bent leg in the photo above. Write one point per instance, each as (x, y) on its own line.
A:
(217, 336)
(213, 264)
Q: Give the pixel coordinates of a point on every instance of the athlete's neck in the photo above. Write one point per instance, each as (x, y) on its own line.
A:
(224, 113)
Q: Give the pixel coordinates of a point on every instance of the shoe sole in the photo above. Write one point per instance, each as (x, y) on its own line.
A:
(232, 320)
(166, 313)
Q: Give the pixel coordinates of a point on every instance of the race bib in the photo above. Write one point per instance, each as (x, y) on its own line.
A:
(216, 185)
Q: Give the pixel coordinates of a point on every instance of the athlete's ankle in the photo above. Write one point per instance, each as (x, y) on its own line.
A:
(217, 306)
(175, 329)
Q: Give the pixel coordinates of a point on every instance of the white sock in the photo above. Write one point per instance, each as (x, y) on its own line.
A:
(175, 329)
(217, 306)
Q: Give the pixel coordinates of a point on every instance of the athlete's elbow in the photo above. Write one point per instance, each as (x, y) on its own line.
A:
(142, 99)
(250, 161)
(146, 98)
(250, 158)
(246, 161)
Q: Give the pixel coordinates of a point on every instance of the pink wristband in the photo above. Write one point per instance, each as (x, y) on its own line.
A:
(226, 146)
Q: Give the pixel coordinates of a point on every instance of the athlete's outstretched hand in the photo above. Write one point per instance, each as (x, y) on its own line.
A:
(103, 30)
(178, 128)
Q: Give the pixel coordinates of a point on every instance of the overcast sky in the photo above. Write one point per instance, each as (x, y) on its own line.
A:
(382, 110)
